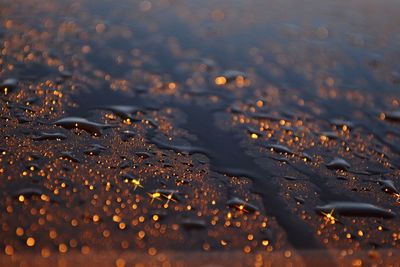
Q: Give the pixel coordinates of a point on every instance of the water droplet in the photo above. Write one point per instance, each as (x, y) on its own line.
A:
(194, 224)
(127, 135)
(300, 200)
(306, 157)
(92, 128)
(22, 118)
(33, 167)
(279, 148)
(67, 155)
(342, 123)
(388, 186)
(265, 116)
(150, 121)
(8, 85)
(94, 149)
(49, 136)
(143, 154)
(291, 178)
(267, 235)
(27, 191)
(254, 133)
(31, 100)
(124, 165)
(356, 209)
(158, 215)
(181, 181)
(230, 76)
(392, 116)
(179, 148)
(328, 135)
(241, 205)
(338, 164)
(127, 177)
(168, 194)
(124, 112)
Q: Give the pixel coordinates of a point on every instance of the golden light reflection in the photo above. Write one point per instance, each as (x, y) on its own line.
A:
(329, 218)
(220, 80)
(155, 195)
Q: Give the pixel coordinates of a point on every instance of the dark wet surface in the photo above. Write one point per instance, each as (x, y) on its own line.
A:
(232, 126)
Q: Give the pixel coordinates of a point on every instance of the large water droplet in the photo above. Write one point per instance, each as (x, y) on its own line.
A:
(338, 164)
(124, 112)
(93, 128)
(279, 148)
(68, 155)
(241, 205)
(94, 149)
(9, 85)
(49, 136)
(393, 115)
(388, 186)
(194, 224)
(356, 209)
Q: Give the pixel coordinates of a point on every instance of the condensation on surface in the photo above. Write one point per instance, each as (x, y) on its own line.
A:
(234, 126)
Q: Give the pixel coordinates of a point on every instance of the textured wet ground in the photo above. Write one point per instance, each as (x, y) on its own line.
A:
(147, 131)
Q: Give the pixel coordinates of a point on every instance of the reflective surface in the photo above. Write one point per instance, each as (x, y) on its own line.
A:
(261, 131)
